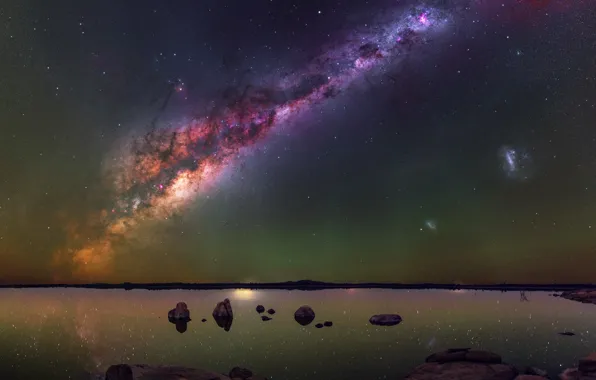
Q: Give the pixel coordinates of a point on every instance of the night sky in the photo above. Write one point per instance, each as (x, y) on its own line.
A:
(271, 140)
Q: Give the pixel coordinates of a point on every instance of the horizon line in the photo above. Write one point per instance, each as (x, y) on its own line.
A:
(302, 285)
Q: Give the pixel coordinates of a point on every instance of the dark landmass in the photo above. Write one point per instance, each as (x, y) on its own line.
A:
(312, 285)
(583, 295)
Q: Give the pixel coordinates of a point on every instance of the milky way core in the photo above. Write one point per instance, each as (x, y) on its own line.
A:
(165, 170)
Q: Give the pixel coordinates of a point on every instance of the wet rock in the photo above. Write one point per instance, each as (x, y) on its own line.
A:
(319, 325)
(240, 373)
(223, 309)
(119, 372)
(467, 355)
(328, 324)
(458, 349)
(464, 364)
(260, 309)
(148, 372)
(304, 315)
(385, 319)
(271, 311)
(580, 295)
(223, 314)
(180, 313)
(588, 364)
(586, 369)
(265, 318)
(535, 371)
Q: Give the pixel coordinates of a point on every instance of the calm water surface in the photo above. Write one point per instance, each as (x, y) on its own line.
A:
(62, 334)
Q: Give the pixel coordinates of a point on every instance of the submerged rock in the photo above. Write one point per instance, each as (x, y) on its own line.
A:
(271, 311)
(240, 373)
(260, 309)
(119, 372)
(567, 333)
(328, 324)
(319, 325)
(265, 318)
(304, 315)
(536, 371)
(463, 364)
(385, 319)
(180, 313)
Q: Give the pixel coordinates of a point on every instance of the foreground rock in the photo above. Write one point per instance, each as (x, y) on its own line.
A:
(304, 315)
(146, 372)
(385, 319)
(468, 364)
(586, 369)
(180, 313)
(464, 364)
(119, 372)
(580, 295)
(223, 315)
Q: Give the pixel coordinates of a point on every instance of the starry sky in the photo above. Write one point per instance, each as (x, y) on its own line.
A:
(382, 140)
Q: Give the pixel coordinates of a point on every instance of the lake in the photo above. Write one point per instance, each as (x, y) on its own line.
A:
(66, 333)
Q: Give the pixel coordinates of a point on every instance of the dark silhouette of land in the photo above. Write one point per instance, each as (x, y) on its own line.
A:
(311, 285)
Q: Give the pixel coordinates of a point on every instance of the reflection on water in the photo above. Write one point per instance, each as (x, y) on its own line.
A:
(68, 332)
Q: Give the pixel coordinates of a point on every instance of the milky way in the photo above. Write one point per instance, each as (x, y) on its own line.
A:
(165, 170)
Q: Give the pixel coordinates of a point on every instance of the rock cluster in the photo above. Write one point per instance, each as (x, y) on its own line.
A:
(586, 369)
(468, 364)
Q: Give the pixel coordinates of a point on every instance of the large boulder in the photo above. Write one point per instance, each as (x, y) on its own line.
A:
(464, 364)
(304, 315)
(119, 372)
(223, 315)
(223, 309)
(385, 319)
(180, 313)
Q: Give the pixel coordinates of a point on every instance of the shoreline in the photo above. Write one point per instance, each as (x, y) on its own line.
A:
(309, 285)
